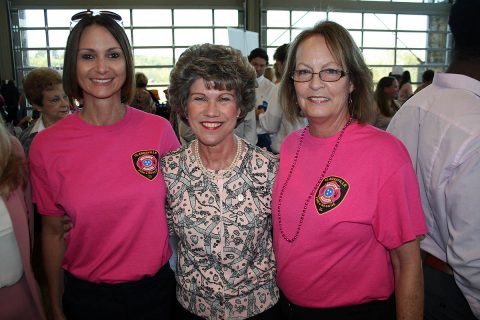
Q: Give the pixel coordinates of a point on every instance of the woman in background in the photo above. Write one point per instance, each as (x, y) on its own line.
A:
(44, 90)
(347, 210)
(385, 98)
(19, 292)
(405, 87)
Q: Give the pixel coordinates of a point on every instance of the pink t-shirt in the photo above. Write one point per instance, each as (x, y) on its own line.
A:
(367, 204)
(107, 179)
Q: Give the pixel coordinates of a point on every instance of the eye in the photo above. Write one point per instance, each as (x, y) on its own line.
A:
(114, 55)
(303, 72)
(56, 99)
(198, 98)
(225, 98)
(332, 72)
(87, 56)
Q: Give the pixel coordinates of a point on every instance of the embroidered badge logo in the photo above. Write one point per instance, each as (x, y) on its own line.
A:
(146, 163)
(330, 194)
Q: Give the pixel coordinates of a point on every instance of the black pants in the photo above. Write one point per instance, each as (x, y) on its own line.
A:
(443, 298)
(376, 310)
(149, 298)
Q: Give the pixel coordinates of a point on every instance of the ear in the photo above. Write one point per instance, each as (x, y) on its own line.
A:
(351, 87)
(238, 112)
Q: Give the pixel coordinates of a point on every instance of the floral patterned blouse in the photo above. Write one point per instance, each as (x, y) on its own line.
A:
(225, 265)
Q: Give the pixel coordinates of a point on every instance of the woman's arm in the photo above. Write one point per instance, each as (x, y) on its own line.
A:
(407, 267)
(53, 247)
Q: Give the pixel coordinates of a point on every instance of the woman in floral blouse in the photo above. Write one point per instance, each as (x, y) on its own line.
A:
(219, 192)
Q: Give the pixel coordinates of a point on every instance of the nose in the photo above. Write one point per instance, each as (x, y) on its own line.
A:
(316, 82)
(212, 108)
(101, 64)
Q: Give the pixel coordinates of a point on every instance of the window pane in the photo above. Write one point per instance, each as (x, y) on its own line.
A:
(307, 19)
(379, 56)
(188, 37)
(152, 37)
(34, 58)
(379, 21)
(152, 17)
(153, 57)
(378, 39)
(31, 18)
(56, 58)
(277, 37)
(226, 18)
(58, 38)
(357, 37)
(33, 38)
(412, 40)
(178, 52)
(412, 22)
(379, 73)
(183, 17)
(221, 36)
(60, 18)
(406, 57)
(347, 20)
(276, 18)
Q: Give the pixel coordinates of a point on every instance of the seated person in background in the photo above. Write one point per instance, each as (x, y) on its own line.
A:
(44, 90)
(387, 106)
(427, 78)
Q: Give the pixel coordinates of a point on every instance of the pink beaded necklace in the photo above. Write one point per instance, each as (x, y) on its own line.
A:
(305, 206)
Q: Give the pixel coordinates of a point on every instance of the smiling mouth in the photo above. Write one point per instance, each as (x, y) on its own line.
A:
(101, 81)
(211, 125)
(318, 99)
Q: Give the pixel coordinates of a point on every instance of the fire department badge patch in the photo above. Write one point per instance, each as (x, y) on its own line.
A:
(146, 163)
(330, 194)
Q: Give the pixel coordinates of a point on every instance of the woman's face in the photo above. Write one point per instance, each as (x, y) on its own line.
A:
(101, 66)
(212, 114)
(55, 105)
(319, 100)
(392, 90)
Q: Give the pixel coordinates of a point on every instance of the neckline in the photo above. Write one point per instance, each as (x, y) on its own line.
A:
(217, 174)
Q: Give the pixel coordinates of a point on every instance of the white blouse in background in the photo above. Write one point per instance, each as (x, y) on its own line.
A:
(11, 268)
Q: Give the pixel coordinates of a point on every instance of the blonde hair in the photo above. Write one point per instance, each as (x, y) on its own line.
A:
(13, 172)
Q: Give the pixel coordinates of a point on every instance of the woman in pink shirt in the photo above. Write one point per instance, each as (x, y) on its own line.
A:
(346, 207)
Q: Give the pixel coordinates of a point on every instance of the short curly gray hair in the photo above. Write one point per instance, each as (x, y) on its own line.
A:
(223, 66)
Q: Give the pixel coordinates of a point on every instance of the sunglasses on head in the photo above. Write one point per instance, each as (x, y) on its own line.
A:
(80, 15)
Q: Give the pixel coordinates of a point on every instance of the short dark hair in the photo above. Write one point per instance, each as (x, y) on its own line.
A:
(70, 82)
(343, 47)
(223, 66)
(428, 75)
(37, 81)
(465, 27)
(258, 53)
(281, 53)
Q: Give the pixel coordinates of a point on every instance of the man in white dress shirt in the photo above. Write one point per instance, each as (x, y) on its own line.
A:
(440, 127)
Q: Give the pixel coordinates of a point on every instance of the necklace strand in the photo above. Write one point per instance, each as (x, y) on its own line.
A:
(215, 175)
(305, 206)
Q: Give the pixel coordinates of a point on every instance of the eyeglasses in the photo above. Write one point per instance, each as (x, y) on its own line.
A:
(327, 75)
(80, 15)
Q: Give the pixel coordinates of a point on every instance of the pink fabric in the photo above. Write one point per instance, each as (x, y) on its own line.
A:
(91, 173)
(341, 257)
(22, 300)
